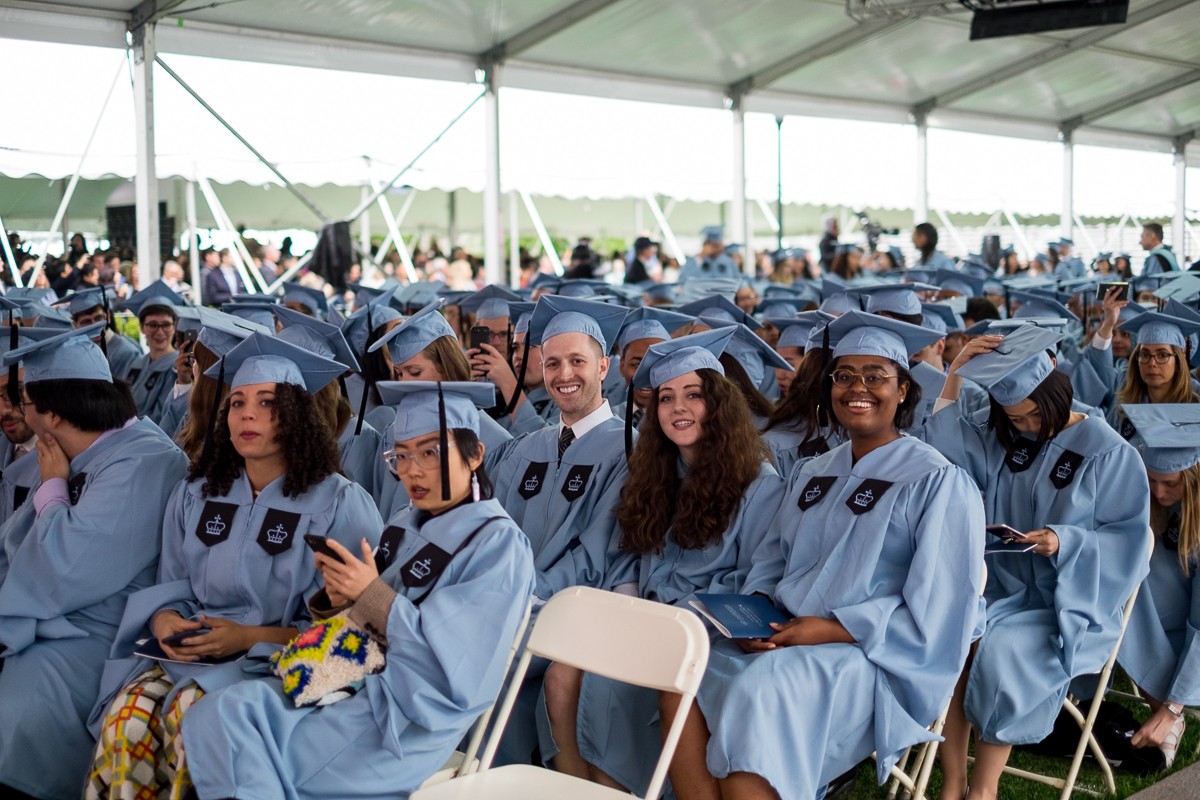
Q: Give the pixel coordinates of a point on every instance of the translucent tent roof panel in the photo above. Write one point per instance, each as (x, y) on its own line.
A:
(1178, 110)
(1171, 36)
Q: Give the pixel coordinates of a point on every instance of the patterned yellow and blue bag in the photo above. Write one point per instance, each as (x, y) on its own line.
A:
(328, 661)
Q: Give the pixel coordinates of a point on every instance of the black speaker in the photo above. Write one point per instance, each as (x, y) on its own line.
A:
(990, 250)
(1015, 18)
(122, 229)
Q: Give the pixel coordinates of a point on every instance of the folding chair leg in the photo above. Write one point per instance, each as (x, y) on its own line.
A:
(902, 765)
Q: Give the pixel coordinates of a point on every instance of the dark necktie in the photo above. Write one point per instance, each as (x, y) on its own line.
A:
(637, 418)
(564, 441)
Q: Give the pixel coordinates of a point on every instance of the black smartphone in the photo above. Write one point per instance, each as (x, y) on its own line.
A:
(480, 335)
(320, 544)
(1005, 533)
(1122, 286)
(176, 639)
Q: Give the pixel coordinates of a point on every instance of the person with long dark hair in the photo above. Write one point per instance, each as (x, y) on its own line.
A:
(925, 239)
(875, 558)
(798, 427)
(700, 495)
(234, 574)
(1157, 370)
(440, 601)
(1077, 494)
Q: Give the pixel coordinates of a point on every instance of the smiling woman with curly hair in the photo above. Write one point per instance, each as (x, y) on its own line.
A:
(700, 493)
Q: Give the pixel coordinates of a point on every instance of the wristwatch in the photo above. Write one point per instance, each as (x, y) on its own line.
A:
(1175, 708)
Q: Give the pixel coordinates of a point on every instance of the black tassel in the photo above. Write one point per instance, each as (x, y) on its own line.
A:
(107, 322)
(362, 404)
(444, 444)
(512, 404)
(206, 453)
(14, 392)
(628, 421)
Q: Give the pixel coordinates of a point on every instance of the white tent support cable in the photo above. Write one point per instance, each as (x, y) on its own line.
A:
(70, 191)
(1086, 236)
(954, 234)
(9, 258)
(667, 211)
(1019, 232)
(393, 225)
(543, 235)
(251, 280)
(668, 235)
(768, 214)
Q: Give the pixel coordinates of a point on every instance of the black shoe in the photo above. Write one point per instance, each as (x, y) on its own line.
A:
(842, 783)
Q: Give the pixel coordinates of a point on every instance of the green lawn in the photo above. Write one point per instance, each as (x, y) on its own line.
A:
(1013, 788)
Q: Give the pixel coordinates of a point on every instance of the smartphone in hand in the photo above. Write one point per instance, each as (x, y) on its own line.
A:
(1005, 533)
(480, 335)
(182, 638)
(320, 544)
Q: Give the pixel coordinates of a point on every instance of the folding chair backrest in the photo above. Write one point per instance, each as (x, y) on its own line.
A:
(623, 638)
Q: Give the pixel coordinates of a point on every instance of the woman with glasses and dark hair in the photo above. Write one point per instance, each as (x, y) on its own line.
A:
(874, 558)
(1076, 497)
(235, 574)
(442, 598)
(1157, 371)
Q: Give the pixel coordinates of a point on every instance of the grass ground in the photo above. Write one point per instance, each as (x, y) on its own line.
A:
(1013, 788)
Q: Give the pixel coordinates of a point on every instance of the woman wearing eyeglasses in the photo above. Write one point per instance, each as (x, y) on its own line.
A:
(874, 557)
(442, 596)
(1076, 494)
(234, 574)
(1158, 366)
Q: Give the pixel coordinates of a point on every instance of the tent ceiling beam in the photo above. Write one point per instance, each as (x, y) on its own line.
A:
(829, 47)
(545, 29)
(1132, 99)
(1049, 54)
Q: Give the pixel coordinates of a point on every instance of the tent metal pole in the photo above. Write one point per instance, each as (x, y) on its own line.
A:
(493, 238)
(1067, 218)
(1179, 227)
(921, 207)
(9, 258)
(668, 235)
(145, 180)
(514, 240)
(194, 267)
(291, 187)
(294, 270)
(364, 223)
(543, 235)
(741, 232)
(250, 279)
(70, 190)
(778, 183)
(364, 205)
(393, 226)
(1087, 237)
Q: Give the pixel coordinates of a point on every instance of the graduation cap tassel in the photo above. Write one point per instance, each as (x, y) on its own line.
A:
(362, 404)
(628, 421)
(512, 404)
(107, 322)
(14, 393)
(444, 443)
(826, 352)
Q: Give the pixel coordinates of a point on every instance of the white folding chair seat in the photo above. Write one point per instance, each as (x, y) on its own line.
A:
(623, 638)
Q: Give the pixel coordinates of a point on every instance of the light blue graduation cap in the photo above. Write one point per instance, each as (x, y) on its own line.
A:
(894, 298)
(454, 297)
(364, 294)
(699, 288)
(941, 318)
(415, 334)
(322, 338)
(774, 308)
(649, 323)
(32, 294)
(358, 326)
(312, 299)
(1001, 327)
(554, 315)
(157, 295)
(546, 281)
(580, 287)
(857, 333)
(844, 249)
(628, 295)
(258, 313)
(269, 359)
(795, 332)
(719, 307)
(1017, 366)
(490, 302)
(1154, 327)
(416, 295)
(966, 284)
(1036, 305)
(1168, 434)
(1063, 241)
(919, 274)
(1182, 286)
(519, 315)
(417, 405)
(661, 291)
(86, 299)
(713, 233)
(755, 355)
(668, 360)
(69, 355)
(1134, 310)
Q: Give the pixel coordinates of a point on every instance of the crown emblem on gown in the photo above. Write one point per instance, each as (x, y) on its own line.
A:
(277, 535)
(575, 484)
(420, 569)
(863, 499)
(215, 526)
(531, 485)
(1019, 457)
(1063, 471)
(812, 494)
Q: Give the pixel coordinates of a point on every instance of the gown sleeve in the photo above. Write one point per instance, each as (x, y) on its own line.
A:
(593, 548)
(1185, 686)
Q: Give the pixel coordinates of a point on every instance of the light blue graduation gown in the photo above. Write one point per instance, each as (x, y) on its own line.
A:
(63, 585)
(1060, 615)
(721, 266)
(1160, 259)
(388, 490)
(17, 484)
(234, 557)
(152, 382)
(359, 452)
(121, 352)
(791, 444)
(1095, 375)
(1160, 652)
(890, 547)
(536, 412)
(174, 413)
(445, 664)
(1069, 268)
(931, 380)
(937, 260)
(618, 725)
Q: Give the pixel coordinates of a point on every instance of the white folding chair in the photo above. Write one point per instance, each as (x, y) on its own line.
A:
(461, 763)
(1087, 741)
(915, 778)
(623, 638)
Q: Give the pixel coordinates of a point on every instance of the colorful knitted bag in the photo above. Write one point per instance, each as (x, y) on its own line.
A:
(333, 655)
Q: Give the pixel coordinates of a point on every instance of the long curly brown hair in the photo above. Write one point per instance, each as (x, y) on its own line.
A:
(194, 431)
(800, 409)
(697, 508)
(309, 446)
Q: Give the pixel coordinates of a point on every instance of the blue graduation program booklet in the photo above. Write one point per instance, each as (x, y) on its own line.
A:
(740, 616)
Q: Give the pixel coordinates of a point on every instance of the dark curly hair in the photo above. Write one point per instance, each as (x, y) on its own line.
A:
(309, 446)
(801, 408)
(906, 411)
(736, 373)
(698, 508)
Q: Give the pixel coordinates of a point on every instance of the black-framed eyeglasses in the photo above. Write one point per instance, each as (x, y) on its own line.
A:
(1145, 357)
(845, 378)
(158, 326)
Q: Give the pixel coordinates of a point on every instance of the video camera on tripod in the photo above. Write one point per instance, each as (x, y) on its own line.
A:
(873, 230)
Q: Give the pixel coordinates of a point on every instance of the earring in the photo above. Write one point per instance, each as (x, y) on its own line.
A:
(474, 487)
